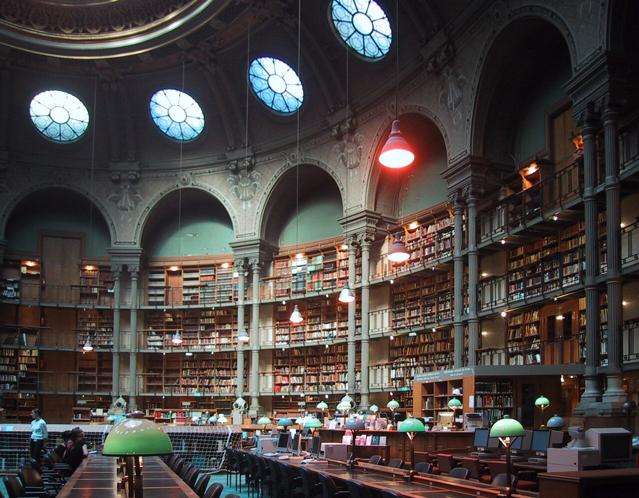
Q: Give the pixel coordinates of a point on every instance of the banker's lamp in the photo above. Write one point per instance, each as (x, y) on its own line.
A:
(285, 422)
(354, 425)
(132, 439)
(505, 430)
(412, 426)
(312, 423)
(542, 402)
(264, 421)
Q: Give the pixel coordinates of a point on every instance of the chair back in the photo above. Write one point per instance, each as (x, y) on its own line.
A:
(501, 480)
(422, 467)
(13, 486)
(177, 465)
(328, 486)
(388, 494)
(30, 476)
(358, 490)
(459, 473)
(396, 463)
(496, 467)
(191, 476)
(375, 459)
(201, 484)
(214, 491)
(186, 468)
(309, 481)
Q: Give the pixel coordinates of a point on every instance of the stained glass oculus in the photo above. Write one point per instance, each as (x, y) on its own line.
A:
(363, 26)
(276, 84)
(176, 114)
(59, 116)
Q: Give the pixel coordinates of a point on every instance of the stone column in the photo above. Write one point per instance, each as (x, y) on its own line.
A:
(458, 282)
(365, 241)
(116, 272)
(473, 279)
(352, 347)
(133, 347)
(614, 390)
(239, 386)
(588, 124)
(255, 339)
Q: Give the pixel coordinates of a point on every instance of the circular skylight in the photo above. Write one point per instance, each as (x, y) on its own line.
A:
(363, 26)
(276, 84)
(59, 116)
(176, 114)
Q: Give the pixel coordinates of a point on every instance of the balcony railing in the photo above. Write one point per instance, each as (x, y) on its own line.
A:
(535, 352)
(517, 210)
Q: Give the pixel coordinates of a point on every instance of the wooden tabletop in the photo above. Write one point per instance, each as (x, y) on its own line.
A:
(96, 478)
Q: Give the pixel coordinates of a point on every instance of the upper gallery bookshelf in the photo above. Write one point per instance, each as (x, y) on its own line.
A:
(193, 284)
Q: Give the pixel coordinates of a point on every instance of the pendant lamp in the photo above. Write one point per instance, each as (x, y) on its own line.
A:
(396, 153)
(296, 316)
(176, 340)
(398, 252)
(87, 346)
(346, 295)
(243, 336)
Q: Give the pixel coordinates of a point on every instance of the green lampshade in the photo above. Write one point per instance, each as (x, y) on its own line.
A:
(355, 424)
(264, 421)
(455, 404)
(507, 427)
(542, 402)
(343, 406)
(300, 420)
(373, 409)
(412, 425)
(137, 437)
(312, 423)
(322, 405)
(285, 422)
(392, 405)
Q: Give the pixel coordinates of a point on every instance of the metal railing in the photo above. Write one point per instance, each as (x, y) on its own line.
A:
(559, 351)
(521, 208)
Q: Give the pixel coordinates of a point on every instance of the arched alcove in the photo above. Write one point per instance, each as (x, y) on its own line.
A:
(187, 222)
(320, 207)
(61, 211)
(521, 82)
(408, 190)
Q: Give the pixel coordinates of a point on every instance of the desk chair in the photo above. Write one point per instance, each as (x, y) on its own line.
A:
(358, 490)
(396, 463)
(495, 467)
(388, 494)
(422, 467)
(310, 483)
(201, 485)
(214, 491)
(191, 476)
(329, 490)
(459, 473)
(291, 481)
(501, 480)
(375, 460)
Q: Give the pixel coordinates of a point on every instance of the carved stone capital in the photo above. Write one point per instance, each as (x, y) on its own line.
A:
(456, 199)
(116, 271)
(255, 265)
(134, 271)
(588, 120)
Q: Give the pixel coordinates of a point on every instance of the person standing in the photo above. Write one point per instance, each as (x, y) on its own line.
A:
(39, 434)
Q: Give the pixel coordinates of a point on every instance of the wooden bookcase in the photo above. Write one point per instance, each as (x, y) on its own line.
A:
(325, 318)
(422, 303)
(209, 328)
(96, 325)
(523, 338)
(313, 369)
(96, 285)
(309, 271)
(205, 284)
(424, 352)
(95, 372)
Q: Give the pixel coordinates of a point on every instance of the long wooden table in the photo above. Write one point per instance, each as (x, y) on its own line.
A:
(97, 477)
(424, 486)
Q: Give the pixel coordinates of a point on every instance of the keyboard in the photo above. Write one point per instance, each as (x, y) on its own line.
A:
(537, 460)
(284, 457)
(270, 454)
(480, 454)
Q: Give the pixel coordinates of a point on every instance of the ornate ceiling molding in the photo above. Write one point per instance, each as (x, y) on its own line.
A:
(103, 28)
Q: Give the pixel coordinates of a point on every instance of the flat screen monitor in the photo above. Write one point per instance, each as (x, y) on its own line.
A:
(282, 442)
(306, 432)
(480, 441)
(297, 439)
(540, 441)
(316, 447)
(522, 443)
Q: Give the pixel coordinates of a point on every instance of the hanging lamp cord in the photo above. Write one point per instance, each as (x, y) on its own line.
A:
(396, 59)
(179, 231)
(297, 134)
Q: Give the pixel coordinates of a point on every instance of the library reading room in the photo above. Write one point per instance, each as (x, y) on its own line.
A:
(319, 248)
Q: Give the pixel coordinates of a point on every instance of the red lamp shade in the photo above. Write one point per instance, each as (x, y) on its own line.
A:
(396, 152)
(398, 252)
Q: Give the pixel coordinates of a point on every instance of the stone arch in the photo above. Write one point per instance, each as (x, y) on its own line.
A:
(40, 187)
(374, 173)
(146, 214)
(265, 204)
(483, 81)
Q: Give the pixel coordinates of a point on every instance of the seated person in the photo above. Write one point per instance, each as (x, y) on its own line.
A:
(76, 449)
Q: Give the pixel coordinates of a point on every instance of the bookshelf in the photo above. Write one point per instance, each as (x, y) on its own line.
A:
(423, 302)
(191, 285)
(311, 271)
(210, 328)
(325, 319)
(313, 369)
(95, 372)
(96, 325)
(523, 338)
(18, 406)
(96, 285)
(208, 373)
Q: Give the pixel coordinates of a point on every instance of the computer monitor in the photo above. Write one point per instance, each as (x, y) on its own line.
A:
(297, 443)
(480, 441)
(316, 447)
(614, 443)
(556, 439)
(306, 432)
(266, 445)
(522, 443)
(283, 441)
(540, 441)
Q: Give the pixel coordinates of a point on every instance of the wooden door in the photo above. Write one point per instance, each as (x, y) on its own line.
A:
(61, 256)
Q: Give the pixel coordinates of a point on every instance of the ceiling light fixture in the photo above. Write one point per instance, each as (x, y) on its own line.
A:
(396, 152)
(346, 295)
(398, 252)
(88, 347)
(176, 340)
(243, 336)
(296, 316)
